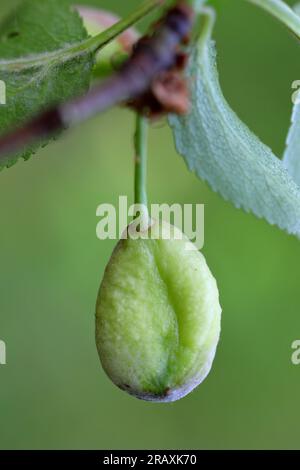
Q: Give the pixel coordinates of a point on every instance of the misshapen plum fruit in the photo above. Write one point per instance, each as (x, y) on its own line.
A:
(158, 315)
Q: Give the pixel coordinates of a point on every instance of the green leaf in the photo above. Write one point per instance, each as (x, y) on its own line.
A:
(46, 58)
(291, 157)
(282, 12)
(221, 150)
(35, 63)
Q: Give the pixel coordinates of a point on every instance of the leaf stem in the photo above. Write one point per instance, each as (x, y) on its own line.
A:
(90, 45)
(282, 12)
(208, 17)
(152, 56)
(102, 39)
(141, 155)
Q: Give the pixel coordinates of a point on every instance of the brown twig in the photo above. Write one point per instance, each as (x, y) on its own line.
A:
(140, 81)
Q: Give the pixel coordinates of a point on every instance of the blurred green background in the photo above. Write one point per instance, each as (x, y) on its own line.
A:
(53, 392)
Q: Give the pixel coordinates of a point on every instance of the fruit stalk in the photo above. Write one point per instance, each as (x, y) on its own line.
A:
(141, 154)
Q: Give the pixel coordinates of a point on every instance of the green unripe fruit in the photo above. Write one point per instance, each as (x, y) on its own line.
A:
(158, 315)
